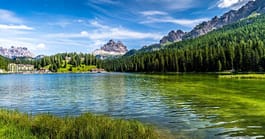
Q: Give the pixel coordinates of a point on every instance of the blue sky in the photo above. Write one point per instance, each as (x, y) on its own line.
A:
(54, 26)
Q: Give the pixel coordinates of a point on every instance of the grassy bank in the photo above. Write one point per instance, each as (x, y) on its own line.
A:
(71, 69)
(23, 126)
(243, 76)
(82, 68)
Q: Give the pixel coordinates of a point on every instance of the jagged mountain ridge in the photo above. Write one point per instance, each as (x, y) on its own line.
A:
(257, 6)
(111, 48)
(173, 36)
(15, 52)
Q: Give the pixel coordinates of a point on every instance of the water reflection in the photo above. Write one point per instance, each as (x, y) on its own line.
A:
(188, 106)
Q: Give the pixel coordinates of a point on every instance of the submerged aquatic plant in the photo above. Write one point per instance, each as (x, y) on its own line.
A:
(86, 126)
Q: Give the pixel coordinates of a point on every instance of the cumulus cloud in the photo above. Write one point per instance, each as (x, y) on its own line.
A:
(233, 4)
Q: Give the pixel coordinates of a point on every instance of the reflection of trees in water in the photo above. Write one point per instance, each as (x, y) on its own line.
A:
(127, 95)
(109, 92)
(114, 88)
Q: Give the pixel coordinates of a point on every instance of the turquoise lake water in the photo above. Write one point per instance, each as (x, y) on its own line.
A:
(184, 106)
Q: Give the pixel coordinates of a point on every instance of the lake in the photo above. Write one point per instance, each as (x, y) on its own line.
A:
(184, 106)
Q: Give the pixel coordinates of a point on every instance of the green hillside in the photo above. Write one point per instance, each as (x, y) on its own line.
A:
(68, 62)
(3, 62)
(239, 46)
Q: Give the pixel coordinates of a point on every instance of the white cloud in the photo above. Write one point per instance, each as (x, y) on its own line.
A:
(233, 4)
(155, 16)
(62, 23)
(152, 13)
(106, 32)
(96, 44)
(7, 42)
(169, 4)
(9, 17)
(99, 34)
(183, 22)
(41, 46)
(84, 33)
(47, 46)
(15, 27)
(103, 32)
(96, 24)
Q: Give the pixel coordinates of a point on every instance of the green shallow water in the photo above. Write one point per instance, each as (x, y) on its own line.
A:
(236, 108)
(184, 106)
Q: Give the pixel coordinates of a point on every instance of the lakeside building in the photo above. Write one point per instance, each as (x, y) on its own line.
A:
(15, 68)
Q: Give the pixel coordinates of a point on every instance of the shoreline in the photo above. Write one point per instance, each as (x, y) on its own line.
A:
(14, 124)
(168, 73)
(25, 73)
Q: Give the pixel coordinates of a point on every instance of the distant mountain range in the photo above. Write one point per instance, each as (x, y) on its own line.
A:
(252, 8)
(110, 49)
(15, 52)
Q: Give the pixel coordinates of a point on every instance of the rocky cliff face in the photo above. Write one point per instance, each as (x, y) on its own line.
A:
(252, 7)
(111, 49)
(173, 36)
(15, 52)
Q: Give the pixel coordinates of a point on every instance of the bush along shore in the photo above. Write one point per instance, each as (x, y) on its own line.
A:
(86, 126)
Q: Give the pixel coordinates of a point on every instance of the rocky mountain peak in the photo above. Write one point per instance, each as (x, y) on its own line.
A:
(173, 36)
(15, 52)
(257, 6)
(111, 48)
(230, 17)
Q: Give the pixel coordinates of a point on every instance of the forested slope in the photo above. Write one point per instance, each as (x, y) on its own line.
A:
(238, 46)
(67, 62)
